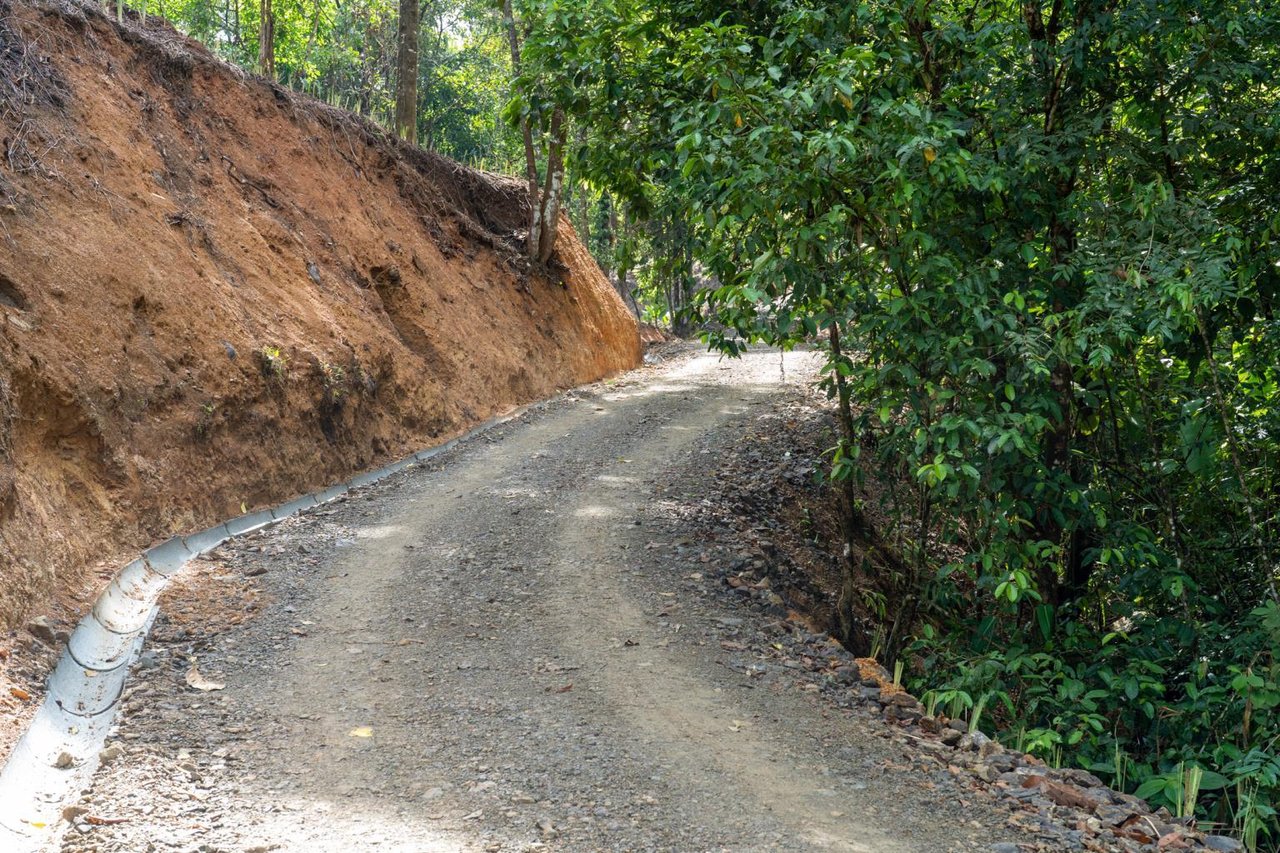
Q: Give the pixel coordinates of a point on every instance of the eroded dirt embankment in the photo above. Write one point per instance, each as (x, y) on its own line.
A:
(215, 294)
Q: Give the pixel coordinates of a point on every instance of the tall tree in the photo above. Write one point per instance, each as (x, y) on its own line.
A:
(544, 200)
(267, 40)
(407, 72)
(547, 206)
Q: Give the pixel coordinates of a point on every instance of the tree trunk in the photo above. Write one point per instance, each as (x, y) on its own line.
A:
(584, 201)
(614, 238)
(1061, 78)
(617, 234)
(686, 281)
(552, 191)
(407, 73)
(530, 157)
(584, 214)
(267, 41)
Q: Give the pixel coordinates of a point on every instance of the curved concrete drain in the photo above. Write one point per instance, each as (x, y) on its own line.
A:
(58, 754)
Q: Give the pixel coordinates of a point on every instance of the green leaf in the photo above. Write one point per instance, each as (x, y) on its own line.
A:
(1211, 781)
(1151, 787)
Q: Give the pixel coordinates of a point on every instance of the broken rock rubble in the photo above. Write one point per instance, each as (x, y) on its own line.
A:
(1060, 808)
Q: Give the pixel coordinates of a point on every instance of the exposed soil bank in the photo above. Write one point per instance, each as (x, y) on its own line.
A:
(216, 294)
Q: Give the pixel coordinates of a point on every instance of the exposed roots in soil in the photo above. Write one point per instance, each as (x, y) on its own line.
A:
(28, 85)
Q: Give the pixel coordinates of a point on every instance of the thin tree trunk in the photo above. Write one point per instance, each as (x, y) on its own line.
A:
(687, 281)
(681, 262)
(1060, 77)
(553, 190)
(584, 202)
(584, 214)
(530, 157)
(614, 237)
(407, 73)
(267, 41)
(860, 535)
(311, 43)
(617, 234)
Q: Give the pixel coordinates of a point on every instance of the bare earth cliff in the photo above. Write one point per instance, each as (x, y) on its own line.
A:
(216, 294)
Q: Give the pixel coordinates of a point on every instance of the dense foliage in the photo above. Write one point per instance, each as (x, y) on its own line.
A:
(1039, 244)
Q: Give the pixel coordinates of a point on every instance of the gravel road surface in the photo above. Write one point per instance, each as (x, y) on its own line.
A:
(518, 646)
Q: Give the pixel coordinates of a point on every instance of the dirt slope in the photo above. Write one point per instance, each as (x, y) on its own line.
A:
(215, 294)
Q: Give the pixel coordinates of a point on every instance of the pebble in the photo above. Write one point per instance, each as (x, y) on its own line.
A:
(42, 629)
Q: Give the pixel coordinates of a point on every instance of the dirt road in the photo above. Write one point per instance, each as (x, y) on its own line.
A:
(511, 649)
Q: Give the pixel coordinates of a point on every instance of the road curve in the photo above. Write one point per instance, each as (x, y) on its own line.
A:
(503, 651)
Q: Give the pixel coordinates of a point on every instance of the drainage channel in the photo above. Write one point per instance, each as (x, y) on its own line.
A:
(58, 754)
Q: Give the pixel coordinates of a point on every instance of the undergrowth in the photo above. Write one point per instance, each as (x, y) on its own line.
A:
(1177, 709)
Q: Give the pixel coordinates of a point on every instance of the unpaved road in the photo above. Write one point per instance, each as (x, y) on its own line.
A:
(509, 650)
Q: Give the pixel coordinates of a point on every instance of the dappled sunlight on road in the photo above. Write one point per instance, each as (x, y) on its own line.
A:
(641, 393)
(620, 482)
(322, 826)
(380, 531)
(595, 512)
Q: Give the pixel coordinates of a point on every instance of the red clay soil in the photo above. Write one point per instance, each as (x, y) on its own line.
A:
(216, 294)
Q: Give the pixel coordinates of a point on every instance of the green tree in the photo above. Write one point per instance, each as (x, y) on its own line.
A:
(266, 40)
(541, 115)
(407, 72)
(1037, 243)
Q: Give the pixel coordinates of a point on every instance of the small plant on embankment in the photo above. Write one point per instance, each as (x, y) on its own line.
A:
(205, 421)
(273, 363)
(333, 380)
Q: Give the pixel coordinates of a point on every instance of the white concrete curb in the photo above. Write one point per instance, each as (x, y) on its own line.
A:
(58, 754)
